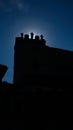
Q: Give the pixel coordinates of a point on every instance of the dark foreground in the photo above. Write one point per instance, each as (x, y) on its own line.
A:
(37, 110)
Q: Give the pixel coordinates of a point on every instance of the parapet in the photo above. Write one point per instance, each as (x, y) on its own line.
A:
(34, 39)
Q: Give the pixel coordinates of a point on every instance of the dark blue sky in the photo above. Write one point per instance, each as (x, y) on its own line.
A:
(52, 18)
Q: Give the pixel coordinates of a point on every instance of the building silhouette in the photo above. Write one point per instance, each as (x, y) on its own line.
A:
(3, 70)
(38, 65)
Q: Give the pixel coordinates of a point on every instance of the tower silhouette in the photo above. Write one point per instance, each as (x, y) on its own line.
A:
(26, 59)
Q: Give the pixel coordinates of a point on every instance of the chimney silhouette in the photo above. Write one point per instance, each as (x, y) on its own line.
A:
(32, 35)
(22, 35)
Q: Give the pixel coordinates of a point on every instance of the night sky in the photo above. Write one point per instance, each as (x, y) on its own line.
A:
(52, 18)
